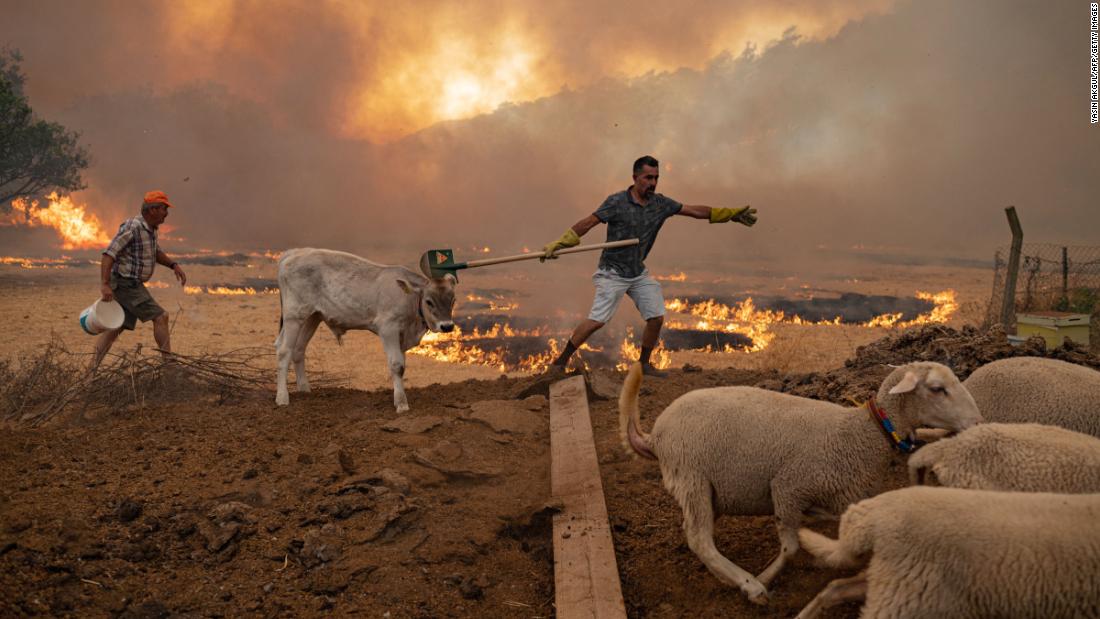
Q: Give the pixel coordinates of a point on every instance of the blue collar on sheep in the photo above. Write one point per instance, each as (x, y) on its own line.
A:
(879, 416)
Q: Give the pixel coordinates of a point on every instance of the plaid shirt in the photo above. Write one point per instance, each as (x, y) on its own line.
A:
(134, 249)
(626, 219)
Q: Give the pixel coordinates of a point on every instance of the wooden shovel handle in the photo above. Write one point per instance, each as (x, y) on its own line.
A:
(534, 255)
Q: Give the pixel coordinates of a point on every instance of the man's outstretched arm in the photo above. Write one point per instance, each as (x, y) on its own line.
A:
(744, 215)
(571, 237)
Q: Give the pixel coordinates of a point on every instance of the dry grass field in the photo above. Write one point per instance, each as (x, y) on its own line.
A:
(37, 305)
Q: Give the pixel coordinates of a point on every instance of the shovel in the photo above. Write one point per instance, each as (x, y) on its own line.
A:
(436, 263)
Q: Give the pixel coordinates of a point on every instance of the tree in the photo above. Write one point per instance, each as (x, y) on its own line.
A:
(35, 155)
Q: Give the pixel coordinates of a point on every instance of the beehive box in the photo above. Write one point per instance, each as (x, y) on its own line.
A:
(1054, 327)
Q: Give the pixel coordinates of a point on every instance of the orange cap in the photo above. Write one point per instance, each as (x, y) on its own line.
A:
(157, 196)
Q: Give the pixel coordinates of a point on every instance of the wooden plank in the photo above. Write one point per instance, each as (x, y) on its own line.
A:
(586, 577)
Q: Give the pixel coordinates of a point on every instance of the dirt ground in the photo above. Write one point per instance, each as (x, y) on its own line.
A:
(336, 505)
(339, 505)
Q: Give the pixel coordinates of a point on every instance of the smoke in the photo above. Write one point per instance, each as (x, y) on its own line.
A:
(906, 129)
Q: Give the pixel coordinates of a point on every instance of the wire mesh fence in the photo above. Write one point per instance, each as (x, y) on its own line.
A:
(1050, 278)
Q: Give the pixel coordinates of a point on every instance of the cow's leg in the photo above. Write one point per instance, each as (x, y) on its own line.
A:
(305, 334)
(395, 357)
(283, 353)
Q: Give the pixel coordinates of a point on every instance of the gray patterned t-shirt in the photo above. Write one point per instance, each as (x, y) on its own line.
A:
(626, 219)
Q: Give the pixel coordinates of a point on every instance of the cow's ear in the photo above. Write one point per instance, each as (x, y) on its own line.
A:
(450, 277)
(406, 286)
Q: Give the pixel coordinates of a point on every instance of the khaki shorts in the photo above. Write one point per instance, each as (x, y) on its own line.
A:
(135, 300)
(610, 288)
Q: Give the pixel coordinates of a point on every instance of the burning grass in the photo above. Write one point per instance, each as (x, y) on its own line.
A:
(63, 262)
(698, 325)
(40, 386)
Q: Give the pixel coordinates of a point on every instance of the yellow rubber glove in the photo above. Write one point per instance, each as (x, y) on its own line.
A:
(568, 239)
(745, 215)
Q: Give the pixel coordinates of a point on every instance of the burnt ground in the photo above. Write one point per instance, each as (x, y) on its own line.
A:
(337, 505)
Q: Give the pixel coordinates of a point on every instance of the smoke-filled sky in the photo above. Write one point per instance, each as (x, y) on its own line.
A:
(389, 128)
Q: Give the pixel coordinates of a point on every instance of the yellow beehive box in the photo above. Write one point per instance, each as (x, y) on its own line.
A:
(1054, 327)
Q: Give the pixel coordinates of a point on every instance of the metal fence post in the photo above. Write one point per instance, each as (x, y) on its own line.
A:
(1065, 278)
(1008, 306)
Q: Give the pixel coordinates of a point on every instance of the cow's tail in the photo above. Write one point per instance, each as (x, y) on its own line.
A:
(634, 439)
(339, 333)
(279, 338)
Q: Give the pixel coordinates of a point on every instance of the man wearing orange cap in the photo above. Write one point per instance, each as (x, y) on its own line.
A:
(128, 263)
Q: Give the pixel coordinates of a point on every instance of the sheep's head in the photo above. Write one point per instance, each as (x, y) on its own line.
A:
(929, 394)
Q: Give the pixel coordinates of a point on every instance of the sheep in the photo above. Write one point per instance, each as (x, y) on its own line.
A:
(1026, 457)
(749, 451)
(949, 552)
(1038, 390)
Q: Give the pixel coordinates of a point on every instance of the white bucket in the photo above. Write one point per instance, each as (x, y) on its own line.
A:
(101, 316)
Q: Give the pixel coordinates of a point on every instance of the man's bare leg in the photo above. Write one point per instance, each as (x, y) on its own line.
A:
(579, 337)
(161, 333)
(585, 331)
(652, 331)
(649, 341)
(103, 343)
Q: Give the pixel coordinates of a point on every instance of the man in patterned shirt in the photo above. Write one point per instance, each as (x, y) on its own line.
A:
(637, 212)
(127, 264)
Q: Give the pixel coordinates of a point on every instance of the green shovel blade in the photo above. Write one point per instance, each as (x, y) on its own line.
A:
(438, 262)
(441, 258)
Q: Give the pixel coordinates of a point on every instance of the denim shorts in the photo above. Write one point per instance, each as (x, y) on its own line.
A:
(610, 287)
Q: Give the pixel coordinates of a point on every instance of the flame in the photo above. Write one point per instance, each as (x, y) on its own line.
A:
(77, 228)
(710, 315)
(741, 318)
(228, 291)
(630, 352)
(884, 320)
(755, 324)
(63, 262)
(498, 330)
(454, 347)
(494, 305)
(679, 277)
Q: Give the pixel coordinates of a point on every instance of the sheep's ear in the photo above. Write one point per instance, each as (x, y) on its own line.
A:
(907, 384)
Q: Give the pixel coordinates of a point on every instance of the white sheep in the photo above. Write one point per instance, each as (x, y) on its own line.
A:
(1038, 390)
(948, 552)
(749, 451)
(1026, 457)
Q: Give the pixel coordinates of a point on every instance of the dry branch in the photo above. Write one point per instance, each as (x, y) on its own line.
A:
(40, 386)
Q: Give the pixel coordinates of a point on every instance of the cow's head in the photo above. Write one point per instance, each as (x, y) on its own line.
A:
(437, 300)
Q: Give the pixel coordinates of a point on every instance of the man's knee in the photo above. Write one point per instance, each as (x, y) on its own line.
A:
(162, 319)
(656, 320)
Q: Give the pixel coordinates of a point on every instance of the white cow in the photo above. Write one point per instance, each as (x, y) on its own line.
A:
(348, 292)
